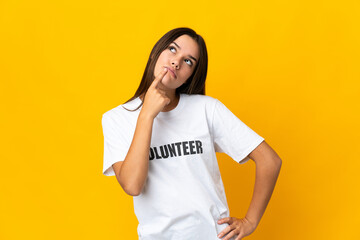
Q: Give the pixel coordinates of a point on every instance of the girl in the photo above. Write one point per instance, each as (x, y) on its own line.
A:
(161, 146)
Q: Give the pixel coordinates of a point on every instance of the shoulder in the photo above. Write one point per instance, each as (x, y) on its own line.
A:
(199, 98)
(199, 103)
(120, 112)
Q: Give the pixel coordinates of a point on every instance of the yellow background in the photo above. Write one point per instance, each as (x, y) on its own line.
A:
(288, 69)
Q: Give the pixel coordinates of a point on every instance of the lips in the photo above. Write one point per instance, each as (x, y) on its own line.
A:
(172, 72)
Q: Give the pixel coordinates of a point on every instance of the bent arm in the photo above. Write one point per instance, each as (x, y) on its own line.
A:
(268, 165)
(134, 170)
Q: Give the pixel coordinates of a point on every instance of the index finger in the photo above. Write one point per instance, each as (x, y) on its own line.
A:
(158, 78)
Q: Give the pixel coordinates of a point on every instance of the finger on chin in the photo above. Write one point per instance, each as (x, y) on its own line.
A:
(161, 86)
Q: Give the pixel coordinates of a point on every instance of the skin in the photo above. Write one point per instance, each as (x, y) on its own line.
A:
(179, 61)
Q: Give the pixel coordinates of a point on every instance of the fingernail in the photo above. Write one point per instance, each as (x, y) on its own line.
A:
(165, 69)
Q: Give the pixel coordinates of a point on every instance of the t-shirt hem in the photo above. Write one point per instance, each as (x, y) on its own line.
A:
(242, 159)
(108, 170)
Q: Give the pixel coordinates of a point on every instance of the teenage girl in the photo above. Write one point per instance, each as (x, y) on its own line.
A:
(162, 151)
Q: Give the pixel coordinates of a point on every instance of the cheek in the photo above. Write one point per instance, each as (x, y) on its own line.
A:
(186, 76)
(161, 59)
(188, 72)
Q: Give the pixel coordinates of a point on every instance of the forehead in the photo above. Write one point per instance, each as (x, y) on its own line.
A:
(188, 45)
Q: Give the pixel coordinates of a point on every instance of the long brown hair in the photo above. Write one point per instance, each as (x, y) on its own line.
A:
(195, 84)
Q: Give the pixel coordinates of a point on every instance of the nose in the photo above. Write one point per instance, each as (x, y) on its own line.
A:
(175, 63)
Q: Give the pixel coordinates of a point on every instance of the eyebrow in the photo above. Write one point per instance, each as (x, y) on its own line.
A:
(180, 49)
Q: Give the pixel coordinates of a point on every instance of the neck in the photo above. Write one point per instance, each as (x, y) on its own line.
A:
(170, 93)
(174, 100)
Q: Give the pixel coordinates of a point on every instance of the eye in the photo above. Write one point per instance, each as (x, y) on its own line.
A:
(190, 62)
(170, 48)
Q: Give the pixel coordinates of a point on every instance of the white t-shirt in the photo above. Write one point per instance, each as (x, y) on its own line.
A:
(183, 196)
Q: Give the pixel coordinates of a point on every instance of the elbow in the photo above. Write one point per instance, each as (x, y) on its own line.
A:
(132, 187)
(278, 163)
(133, 191)
(130, 190)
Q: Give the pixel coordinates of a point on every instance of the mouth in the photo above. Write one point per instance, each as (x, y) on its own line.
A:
(172, 72)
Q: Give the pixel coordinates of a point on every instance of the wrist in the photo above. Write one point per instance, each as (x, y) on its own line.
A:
(144, 115)
(253, 221)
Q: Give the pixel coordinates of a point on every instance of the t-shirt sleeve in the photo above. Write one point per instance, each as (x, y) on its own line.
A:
(231, 135)
(115, 147)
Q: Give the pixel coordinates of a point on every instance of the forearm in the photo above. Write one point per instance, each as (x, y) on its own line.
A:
(266, 175)
(134, 170)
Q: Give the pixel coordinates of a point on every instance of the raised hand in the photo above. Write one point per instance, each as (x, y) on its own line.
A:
(155, 98)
